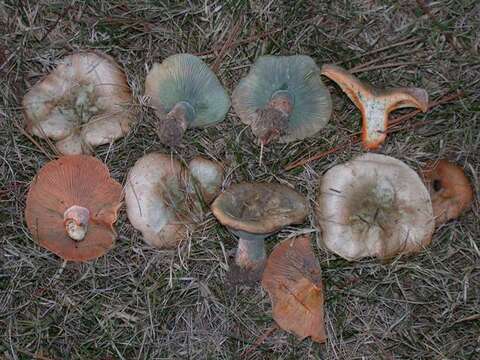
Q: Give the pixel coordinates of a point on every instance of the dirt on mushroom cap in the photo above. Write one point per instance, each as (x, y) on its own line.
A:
(293, 279)
(84, 102)
(73, 180)
(259, 208)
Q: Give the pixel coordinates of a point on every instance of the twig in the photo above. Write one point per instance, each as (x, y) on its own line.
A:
(383, 66)
(392, 123)
(228, 44)
(260, 340)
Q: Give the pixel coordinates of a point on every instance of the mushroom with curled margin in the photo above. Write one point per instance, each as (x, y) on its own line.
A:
(375, 104)
(185, 93)
(283, 98)
(374, 205)
(71, 207)
(450, 189)
(84, 102)
(293, 279)
(254, 211)
(164, 199)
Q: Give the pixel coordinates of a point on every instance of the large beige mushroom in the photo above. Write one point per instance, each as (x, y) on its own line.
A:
(83, 103)
(164, 199)
(374, 205)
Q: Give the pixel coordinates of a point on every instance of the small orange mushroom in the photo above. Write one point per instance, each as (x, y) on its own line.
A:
(450, 190)
(375, 104)
(71, 207)
(293, 279)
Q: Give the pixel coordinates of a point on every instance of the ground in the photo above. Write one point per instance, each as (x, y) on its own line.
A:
(141, 303)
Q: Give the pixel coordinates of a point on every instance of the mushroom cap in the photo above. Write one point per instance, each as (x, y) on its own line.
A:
(259, 208)
(374, 205)
(300, 76)
(73, 180)
(161, 202)
(184, 77)
(293, 280)
(449, 188)
(81, 104)
(208, 175)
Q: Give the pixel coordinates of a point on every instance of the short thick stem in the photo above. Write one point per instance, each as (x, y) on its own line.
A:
(272, 121)
(76, 219)
(172, 127)
(250, 254)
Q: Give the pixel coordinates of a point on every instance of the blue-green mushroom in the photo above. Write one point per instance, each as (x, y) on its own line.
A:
(185, 93)
(283, 98)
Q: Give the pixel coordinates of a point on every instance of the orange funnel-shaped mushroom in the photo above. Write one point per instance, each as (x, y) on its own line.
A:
(375, 104)
(450, 190)
(71, 207)
(293, 279)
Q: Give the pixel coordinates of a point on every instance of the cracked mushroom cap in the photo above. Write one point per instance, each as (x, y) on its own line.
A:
(259, 208)
(161, 202)
(293, 279)
(184, 78)
(299, 77)
(450, 189)
(76, 181)
(81, 104)
(374, 205)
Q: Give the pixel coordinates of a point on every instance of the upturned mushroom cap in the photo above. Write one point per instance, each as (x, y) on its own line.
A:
(449, 188)
(161, 202)
(259, 208)
(81, 104)
(296, 76)
(63, 186)
(375, 104)
(184, 78)
(293, 280)
(374, 205)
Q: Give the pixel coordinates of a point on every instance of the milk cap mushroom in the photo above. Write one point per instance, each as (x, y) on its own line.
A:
(84, 102)
(161, 199)
(293, 279)
(71, 207)
(374, 205)
(283, 98)
(375, 104)
(450, 189)
(254, 211)
(185, 93)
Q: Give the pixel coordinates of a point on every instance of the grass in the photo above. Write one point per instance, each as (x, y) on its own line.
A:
(140, 303)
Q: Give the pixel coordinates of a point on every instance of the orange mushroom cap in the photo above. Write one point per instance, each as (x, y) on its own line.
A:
(60, 189)
(375, 104)
(293, 279)
(449, 188)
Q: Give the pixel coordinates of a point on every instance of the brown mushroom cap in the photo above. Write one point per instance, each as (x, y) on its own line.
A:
(81, 104)
(76, 180)
(293, 279)
(449, 188)
(259, 208)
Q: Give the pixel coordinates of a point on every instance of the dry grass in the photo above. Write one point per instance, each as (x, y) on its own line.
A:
(140, 303)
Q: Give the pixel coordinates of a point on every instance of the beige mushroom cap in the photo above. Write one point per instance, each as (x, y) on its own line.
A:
(259, 208)
(81, 104)
(374, 205)
(161, 200)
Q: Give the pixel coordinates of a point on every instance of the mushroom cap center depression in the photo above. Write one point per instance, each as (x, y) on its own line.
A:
(80, 104)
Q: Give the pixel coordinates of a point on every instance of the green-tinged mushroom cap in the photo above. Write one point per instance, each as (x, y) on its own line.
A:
(185, 93)
(283, 97)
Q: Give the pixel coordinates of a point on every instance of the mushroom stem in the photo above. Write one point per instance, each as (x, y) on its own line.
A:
(272, 121)
(76, 219)
(173, 125)
(250, 254)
